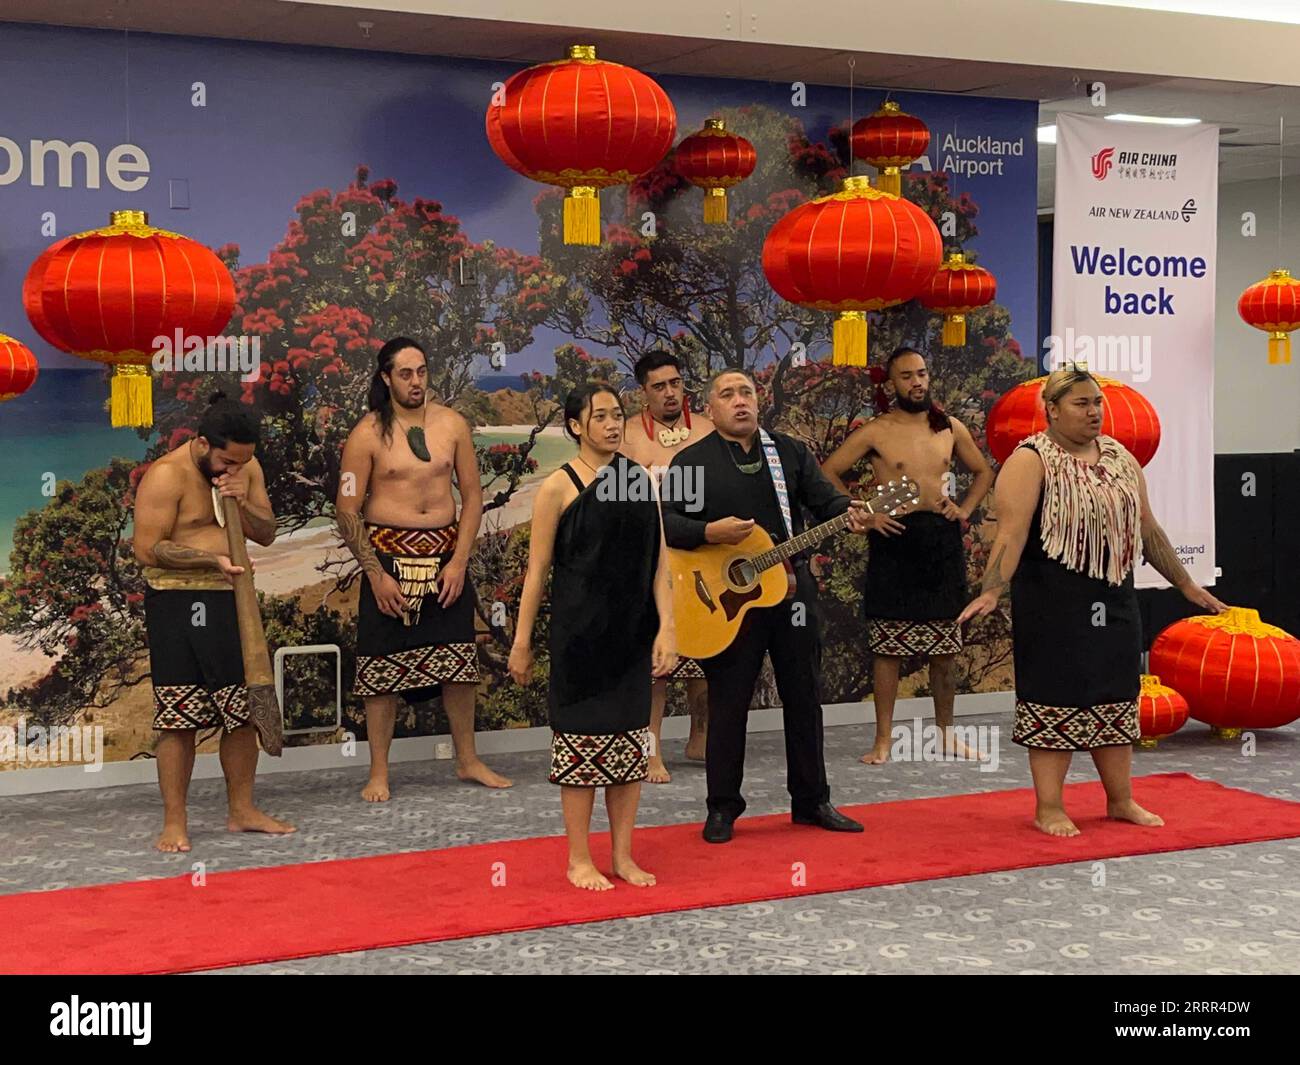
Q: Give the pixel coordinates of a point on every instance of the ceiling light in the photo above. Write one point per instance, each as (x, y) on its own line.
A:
(1047, 134)
(1157, 120)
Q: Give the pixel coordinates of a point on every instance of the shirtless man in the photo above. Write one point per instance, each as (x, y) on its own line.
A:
(195, 661)
(916, 568)
(397, 515)
(665, 427)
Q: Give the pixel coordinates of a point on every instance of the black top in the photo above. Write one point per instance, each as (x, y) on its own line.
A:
(728, 492)
(603, 613)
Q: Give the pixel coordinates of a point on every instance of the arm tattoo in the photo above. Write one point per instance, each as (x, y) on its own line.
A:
(1160, 553)
(257, 527)
(352, 531)
(171, 555)
(993, 579)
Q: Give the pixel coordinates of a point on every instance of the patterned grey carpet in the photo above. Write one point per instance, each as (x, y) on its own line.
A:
(1223, 910)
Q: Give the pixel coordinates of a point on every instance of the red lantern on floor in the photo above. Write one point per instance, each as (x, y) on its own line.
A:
(889, 140)
(584, 124)
(1126, 415)
(957, 288)
(1234, 670)
(715, 160)
(18, 368)
(853, 251)
(1273, 305)
(106, 294)
(1161, 710)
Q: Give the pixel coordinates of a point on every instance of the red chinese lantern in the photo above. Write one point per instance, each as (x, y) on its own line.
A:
(1234, 670)
(584, 124)
(853, 251)
(1161, 711)
(1126, 415)
(715, 160)
(107, 294)
(889, 140)
(956, 289)
(18, 368)
(1273, 305)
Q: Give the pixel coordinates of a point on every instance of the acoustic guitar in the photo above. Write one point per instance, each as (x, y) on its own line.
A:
(714, 585)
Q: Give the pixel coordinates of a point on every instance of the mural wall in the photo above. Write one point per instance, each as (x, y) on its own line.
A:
(355, 197)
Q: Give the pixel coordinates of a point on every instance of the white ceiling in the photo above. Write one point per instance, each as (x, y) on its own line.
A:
(1248, 112)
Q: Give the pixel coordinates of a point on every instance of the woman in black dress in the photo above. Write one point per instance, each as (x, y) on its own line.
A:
(1073, 518)
(596, 528)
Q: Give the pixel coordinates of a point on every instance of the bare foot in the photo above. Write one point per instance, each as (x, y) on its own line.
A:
(1055, 823)
(1131, 811)
(585, 875)
(253, 820)
(955, 747)
(174, 839)
(658, 772)
(631, 872)
(695, 747)
(481, 774)
(879, 754)
(376, 790)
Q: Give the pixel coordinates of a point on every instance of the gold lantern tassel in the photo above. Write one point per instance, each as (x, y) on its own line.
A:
(132, 396)
(890, 180)
(849, 339)
(715, 206)
(1279, 348)
(582, 216)
(954, 330)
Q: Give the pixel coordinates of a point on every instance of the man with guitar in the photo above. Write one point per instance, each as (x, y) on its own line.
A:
(665, 427)
(754, 478)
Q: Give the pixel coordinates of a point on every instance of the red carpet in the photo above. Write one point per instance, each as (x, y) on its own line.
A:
(296, 911)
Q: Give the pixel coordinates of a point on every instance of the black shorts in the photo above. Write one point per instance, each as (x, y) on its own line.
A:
(195, 660)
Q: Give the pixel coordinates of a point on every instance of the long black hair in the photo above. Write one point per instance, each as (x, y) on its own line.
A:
(380, 398)
(579, 400)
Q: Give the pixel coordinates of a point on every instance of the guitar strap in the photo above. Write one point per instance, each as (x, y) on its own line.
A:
(778, 479)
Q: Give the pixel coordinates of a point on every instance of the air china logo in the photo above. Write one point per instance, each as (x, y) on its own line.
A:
(1101, 163)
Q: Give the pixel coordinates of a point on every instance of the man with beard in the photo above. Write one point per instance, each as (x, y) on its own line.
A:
(916, 567)
(195, 662)
(750, 475)
(665, 427)
(397, 515)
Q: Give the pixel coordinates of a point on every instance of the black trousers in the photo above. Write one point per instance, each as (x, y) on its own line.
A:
(795, 650)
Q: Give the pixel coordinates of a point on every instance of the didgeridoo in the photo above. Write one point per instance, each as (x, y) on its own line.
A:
(263, 706)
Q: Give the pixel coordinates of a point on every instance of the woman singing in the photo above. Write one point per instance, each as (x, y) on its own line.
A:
(1073, 517)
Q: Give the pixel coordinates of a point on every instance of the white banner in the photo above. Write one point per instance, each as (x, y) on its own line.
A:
(1135, 227)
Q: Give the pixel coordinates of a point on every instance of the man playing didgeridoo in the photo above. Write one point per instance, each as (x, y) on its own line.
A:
(916, 568)
(666, 425)
(195, 661)
(397, 515)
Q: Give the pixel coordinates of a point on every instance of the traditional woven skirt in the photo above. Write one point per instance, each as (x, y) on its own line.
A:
(195, 661)
(413, 655)
(916, 587)
(686, 669)
(1077, 642)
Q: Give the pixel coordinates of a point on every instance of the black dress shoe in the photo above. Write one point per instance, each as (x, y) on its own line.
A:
(717, 828)
(829, 818)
